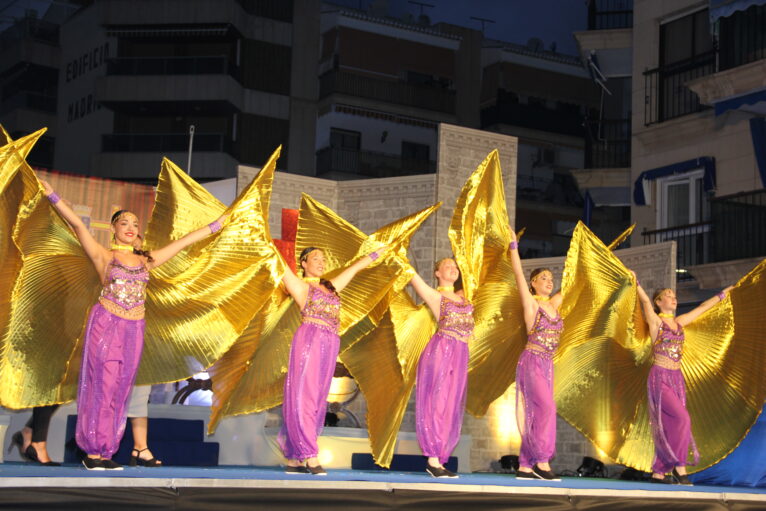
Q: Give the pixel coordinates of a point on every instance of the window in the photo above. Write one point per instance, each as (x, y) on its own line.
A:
(417, 152)
(685, 38)
(683, 200)
(345, 139)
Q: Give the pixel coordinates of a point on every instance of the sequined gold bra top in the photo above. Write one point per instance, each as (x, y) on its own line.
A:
(455, 319)
(543, 339)
(322, 306)
(669, 343)
(124, 291)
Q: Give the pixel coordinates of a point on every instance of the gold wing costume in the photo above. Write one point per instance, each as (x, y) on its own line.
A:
(384, 363)
(605, 356)
(197, 304)
(250, 376)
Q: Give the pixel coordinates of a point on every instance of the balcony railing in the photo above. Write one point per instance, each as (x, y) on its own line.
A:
(30, 28)
(609, 14)
(164, 142)
(30, 101)
(534, 117)
(402, 93)
(608, 144)
(171, 66)
(736, 231)
(667, 95)
(369, 164)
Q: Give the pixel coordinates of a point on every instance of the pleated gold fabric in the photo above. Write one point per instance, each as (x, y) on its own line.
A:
(250, 377)
(605, 356)
(201, 301)
(479, 234)
(52, 290)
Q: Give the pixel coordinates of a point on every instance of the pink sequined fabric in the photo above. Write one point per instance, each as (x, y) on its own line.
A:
(455, 319)
(125, 285)
(322, 306)
(670, 343)
(545, 333)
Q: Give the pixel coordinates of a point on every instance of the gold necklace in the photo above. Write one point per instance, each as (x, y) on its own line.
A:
(542, 298)
(117, 246)
(311, 280)
(666, 315)
(451, 289)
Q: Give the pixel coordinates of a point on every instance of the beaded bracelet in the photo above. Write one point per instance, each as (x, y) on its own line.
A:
(54, 198)
(214, 226)
(374, 255)
(514, 245)
(721, 295)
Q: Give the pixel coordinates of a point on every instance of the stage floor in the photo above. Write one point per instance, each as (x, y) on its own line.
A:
(72, 487)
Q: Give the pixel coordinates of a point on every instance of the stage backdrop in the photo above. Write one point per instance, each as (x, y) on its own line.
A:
(95, 200)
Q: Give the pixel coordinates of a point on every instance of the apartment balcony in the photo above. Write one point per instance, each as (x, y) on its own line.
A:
(337, 162)
(534, 117)
(143, 66)
(164, 142)
(667, 94)
(734, 232)
(30, 29)
(608, 144)
(28, 100)
(610, 14)
(402, 93)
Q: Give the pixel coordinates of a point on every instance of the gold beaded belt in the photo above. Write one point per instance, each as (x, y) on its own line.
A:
(136, 312)
(666, 363)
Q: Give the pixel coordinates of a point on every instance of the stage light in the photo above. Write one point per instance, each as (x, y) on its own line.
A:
(591, 467)
(510, 462)
(503, 420)
(343, 391)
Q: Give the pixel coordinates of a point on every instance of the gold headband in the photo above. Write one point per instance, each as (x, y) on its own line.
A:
(540, 275)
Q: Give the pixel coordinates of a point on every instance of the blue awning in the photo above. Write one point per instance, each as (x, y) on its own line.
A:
(750, 102)
(705, 162)
(725, 8)
(758, 133)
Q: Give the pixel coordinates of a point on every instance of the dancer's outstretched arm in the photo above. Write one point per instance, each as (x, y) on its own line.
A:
(430, 296)
(344, 278)
(651, 317)
(685, 319)
(96, 252)
(528, 302)
(162, 255)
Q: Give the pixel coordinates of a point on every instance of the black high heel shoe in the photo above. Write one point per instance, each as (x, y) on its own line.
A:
(31, 453)
(135, 459)
(17, 440)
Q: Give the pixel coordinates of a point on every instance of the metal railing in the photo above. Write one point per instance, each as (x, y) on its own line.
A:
(534, 117)
(29, 100)
(737, 231)
(610, 14)
(369, 164)
(421, 96)
(30, 28)
(171, 66)
(667, 95)
(164, 142)
(608, 144)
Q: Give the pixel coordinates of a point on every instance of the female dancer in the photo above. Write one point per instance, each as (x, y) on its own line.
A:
(115, 328)
(535, 407)
(671, 424)
(313, 354)
(442, 368)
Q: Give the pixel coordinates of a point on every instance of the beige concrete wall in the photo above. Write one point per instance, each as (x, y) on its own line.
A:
(726, 138)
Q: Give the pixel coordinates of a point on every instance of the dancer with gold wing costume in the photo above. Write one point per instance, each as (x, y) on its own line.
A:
(385, 363)
(251, 376)
(606, 353)
(313, 353)
(442, 371)
(114, 335)
(671, 424)
(535, 407)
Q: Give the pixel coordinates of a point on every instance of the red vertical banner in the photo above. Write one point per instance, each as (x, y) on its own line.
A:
(286, 245)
